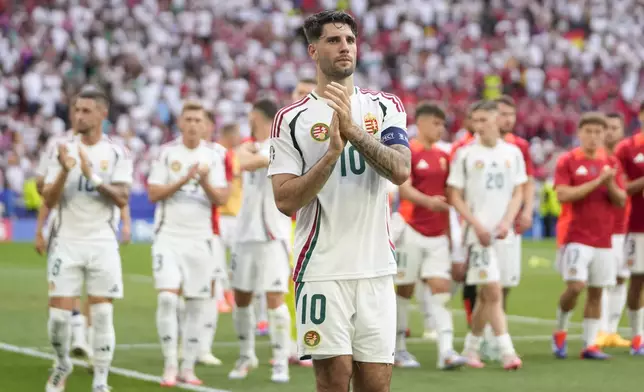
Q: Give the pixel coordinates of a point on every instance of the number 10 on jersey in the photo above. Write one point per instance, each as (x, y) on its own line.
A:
(356, 164)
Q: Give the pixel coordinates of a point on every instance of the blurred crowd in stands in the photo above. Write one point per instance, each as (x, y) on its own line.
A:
(557, 58)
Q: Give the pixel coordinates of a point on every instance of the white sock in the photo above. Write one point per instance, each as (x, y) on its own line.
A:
(219, 290)
(60, 332)
(605, 313)
(402, 314)
(488, 334)
(79, 337)
(209, 325)
(193, 328)
(430, 323)
(444, 324)
(279, 328)
(259, 305)
(245, 326)
(90, 339)
(181, 315)
(563, 319)
(168, 326)
(505, 344)
(104, 341)
(590, 331)
(636, 318)
(472, 343)
(616, 302)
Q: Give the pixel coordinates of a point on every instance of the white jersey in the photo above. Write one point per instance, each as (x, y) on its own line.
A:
(488, 176)
(187, 213)
(83, 213)
(258, 218)
(344, 232)
(50, 152)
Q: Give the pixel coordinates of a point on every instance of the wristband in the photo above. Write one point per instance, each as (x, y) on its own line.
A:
(96, 180)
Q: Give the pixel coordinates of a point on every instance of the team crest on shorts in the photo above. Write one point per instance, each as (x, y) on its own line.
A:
(479, 164)
(52, 286)
(312, 339)
(572, 272)
(371, 123)
(175, 166)
(104, 165)
(508, 164)
(630, 262)
(482, 274)
(320, 132)
(400, 275)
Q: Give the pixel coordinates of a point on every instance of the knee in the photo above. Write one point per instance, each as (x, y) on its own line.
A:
(102, 316)
(167, 301)
(594, 296)
(274, 300)
(575, 288)
(333, 374)
(405, 290)
(491, 294)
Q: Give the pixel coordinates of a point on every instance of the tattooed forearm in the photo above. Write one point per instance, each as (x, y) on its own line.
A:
(119, 194)
(391, 162)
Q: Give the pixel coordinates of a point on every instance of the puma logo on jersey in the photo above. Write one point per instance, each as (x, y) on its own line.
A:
(422, 165)
(582, 171)
(639, 158)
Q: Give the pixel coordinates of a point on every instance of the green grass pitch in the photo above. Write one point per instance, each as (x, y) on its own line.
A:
(23, 311)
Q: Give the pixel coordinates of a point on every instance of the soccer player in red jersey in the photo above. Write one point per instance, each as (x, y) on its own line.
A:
(424, 245)
(614, 298)
(630, 153)
(591, 181)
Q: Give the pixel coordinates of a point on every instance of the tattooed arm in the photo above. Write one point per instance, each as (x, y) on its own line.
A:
(392, 162)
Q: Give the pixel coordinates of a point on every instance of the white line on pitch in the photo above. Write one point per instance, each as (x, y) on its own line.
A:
(416, 340)
(113, 370)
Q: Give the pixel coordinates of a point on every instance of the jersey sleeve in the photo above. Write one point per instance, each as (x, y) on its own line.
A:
(562, 171)
(217, 174)
(53, 168)
(159, 173)
(620, 176)
(124, 168)
(621, 154)
(394, 121)
(45, 159)
(284, 157)
(520, 174)
(456, 178)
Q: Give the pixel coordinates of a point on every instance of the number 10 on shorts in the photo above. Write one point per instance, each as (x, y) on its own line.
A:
(315, 310)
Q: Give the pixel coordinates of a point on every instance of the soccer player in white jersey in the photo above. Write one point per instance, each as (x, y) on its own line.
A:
(486, 179)
(185, 180)
(86, 180)
(333, 154)
(260, 260)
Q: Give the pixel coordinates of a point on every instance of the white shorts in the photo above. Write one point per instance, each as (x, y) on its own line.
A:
(187, 264)
(347, 317)
(619, 254)
(421, 257)
(583, 263)
(260, 267)
(228, 230)
(635, 253)
(98, 264)
(496, 263)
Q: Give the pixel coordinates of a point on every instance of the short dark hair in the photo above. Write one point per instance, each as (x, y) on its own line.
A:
(592, 118)
(615, 115)
(267, 107)
(506, 100)
(314, 24)
(426, 108)
(642, 107)
(93, 94)
(487, 106)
